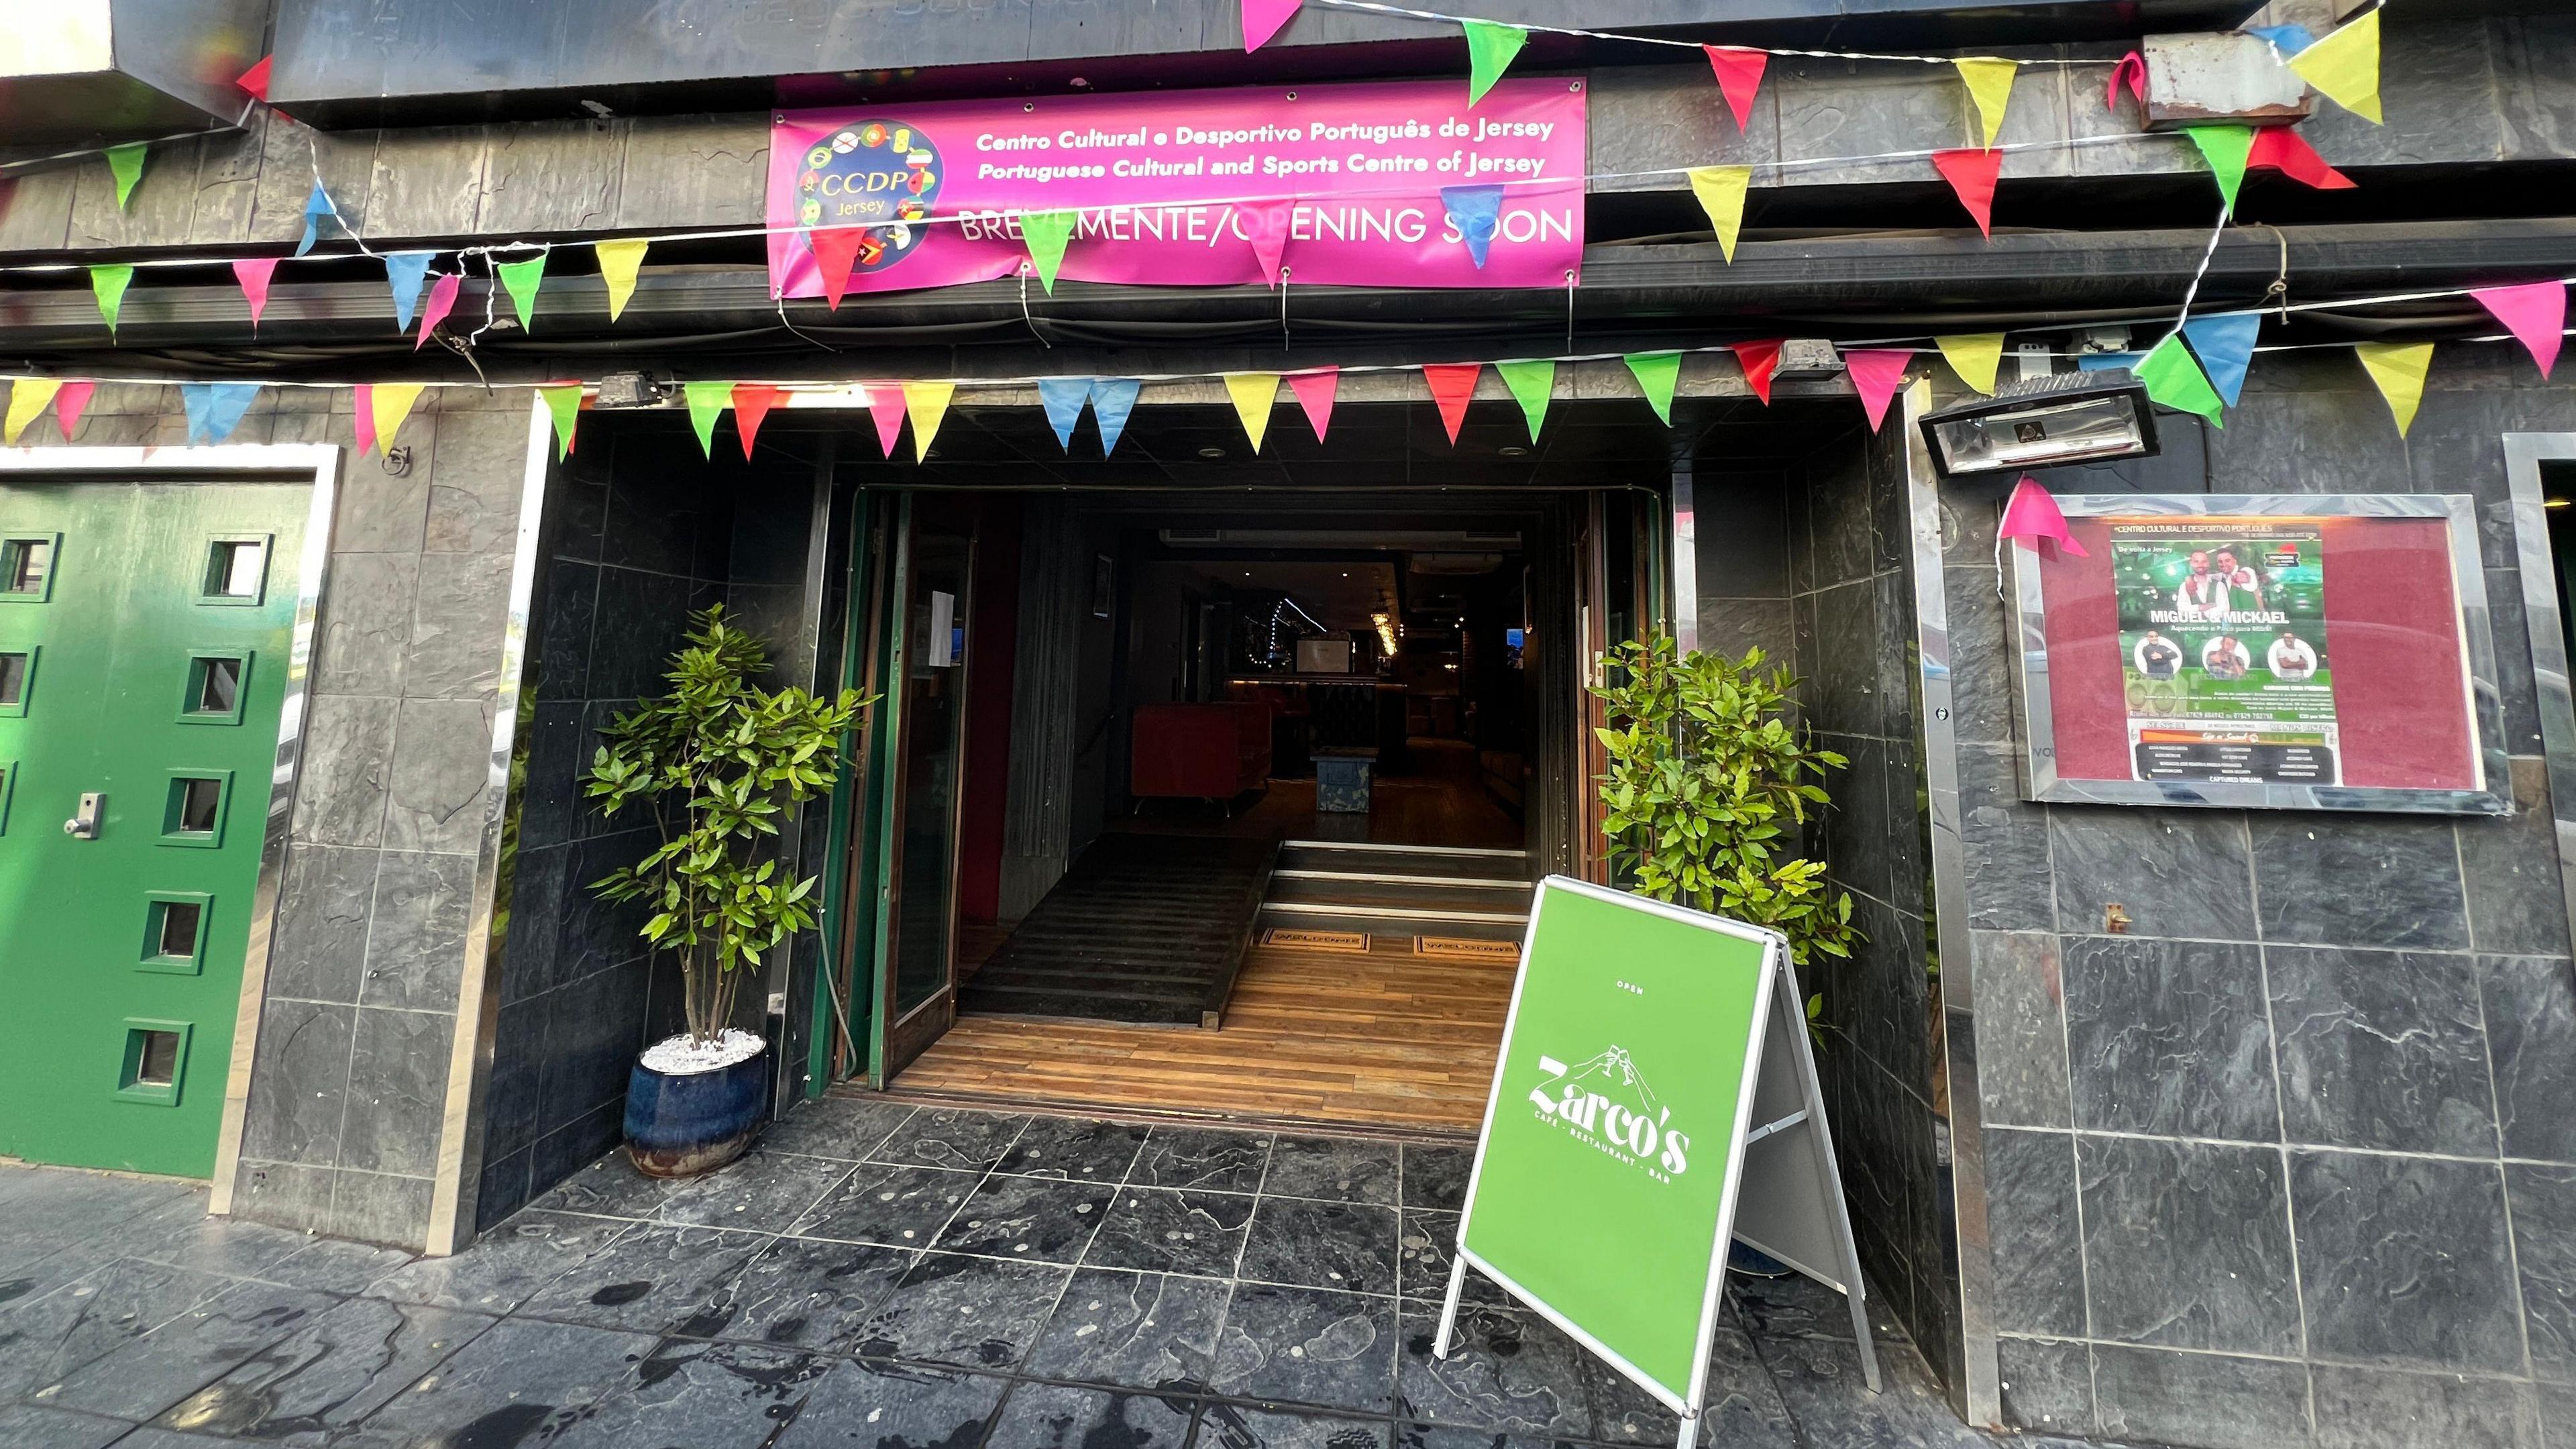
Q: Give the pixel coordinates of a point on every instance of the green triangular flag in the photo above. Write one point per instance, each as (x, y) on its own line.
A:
(564, 401)
(707, 402)
(2225, 148)
(1046, 232)
(126, 164)
(1658, 373)
(523, 278)
(2175, 380)
(1490, 49)
(1532, 383)
(110, 282)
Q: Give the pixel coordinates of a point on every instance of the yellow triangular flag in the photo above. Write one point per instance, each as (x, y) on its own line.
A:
(2344, 67)
(1974, 357)
(28, 399)
(618, 263)
(2399, 368)
(1720, 190)
(1990, 86)
(1254, 393)
(926, 403)
(393, 402)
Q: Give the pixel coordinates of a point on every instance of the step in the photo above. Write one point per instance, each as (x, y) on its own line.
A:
(1396, 921)
(1472, 897)
(1409, 861)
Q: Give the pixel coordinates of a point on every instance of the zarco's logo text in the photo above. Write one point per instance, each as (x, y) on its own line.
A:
(1607, 1103)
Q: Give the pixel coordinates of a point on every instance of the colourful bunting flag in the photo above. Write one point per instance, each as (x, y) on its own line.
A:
(2283, 149)
(390, 403)
(1268, 226)
(2536, 314)
(1046, 233)
(1760, 361)
(884, 403)
(1532, 385)
(2400, 369)
(1490, 48)
(1475, 211)
(1972, 174)
(751, 403)
(1657, 374)
(707, 402)
(1452, 385)
(1262, 19)
(1739, 78)
(253, 273)
(2033, 518)
(2108, 361)
(563, 404)
(28, 398)
(523, 278)
(926, 403)
(214, 409)
(255, 79)
(2131, 71)
(1315, 392)
(108, 283)
(442, 300)
(2344, 67)
(365, 418)
(2175, 381)
(2226, 346)
(1721, 191)
(2285, 40)
(404, 272)
(69, 403)
(619, 261)
(2225, 148)
(836, 250)
(1876, 374)
(1254, 393)
(1112, 399)
(1063, 397)
(125, 163)
(1974, 356)
(317, 205)
(1990, 84)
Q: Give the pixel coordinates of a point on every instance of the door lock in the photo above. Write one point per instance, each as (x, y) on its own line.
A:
(84, 825)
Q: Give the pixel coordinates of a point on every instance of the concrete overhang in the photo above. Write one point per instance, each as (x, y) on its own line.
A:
(79, 74)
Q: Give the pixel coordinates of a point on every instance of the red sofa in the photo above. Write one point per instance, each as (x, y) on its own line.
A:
(1199, 751)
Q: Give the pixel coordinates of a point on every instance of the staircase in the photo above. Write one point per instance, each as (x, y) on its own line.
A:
(1399, 890)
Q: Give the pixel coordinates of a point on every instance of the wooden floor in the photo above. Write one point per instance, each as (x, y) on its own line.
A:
(1386, 1039)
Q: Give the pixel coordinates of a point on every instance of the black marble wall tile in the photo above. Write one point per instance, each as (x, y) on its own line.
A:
(2406, 1260)
(2530, 1006)
(2005, 844)
(301, 1091)
(2346, 881)
(1741, 537)
(2212, 1400)
(2021, 1029)
(2381, 1408)
(2047, 1386)
(2544, 1233)
(2180, 873)
(1856, 824)
(1733, 626)
(2517, 898)
(320, 944)
(527, 936)
(2169, 1037)
(560, 747)
(2031, 1219)
(397, 1093)
(2187, 1245)
(1896, 653)
(643, 618)
(1981, 645)
(1846, 693)
(2381, 1049)
(2518, 695)
(1839, 517)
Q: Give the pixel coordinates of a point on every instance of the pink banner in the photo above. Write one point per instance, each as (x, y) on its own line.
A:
(1171, 186)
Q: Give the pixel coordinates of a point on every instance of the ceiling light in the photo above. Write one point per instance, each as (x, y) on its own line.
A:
(2044, 422)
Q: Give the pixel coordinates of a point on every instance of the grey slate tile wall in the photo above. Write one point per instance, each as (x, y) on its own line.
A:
(2290, 1160)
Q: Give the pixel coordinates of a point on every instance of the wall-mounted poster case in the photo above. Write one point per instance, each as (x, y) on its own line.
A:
(2316, 652)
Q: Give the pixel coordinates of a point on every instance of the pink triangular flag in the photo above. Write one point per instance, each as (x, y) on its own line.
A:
(253, 274)
(255, 79)
(1262, 19)
(1739, 78)
(885, 404)
(1315, 392)
(1876, 374)
(752, 402)
(2032, 517)
(68, 402)
(1268, 222)
(442, 300)
(366, 418)
(1972, 174)
(2131, 70)
(2536, 313)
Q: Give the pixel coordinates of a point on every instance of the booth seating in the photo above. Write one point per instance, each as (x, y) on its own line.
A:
(1199, 751)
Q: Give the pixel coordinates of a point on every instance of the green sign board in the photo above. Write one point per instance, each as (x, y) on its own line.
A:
(1654, 1097)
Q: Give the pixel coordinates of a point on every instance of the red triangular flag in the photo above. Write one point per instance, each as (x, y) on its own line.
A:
(885, 404)
(1452, 383)
(1315, 392)
(1760, 361)
(835, 249)
(2536, 314)
(1876, 374)
(68, 403)
(253, 274)
(255, 79)
(752, 402)
(2286, 151)
(1972, 174)
(1739, 76)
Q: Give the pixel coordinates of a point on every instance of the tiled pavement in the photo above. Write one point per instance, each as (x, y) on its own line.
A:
(876, 1275)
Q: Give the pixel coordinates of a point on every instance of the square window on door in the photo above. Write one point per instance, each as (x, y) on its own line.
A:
(27, 567)
(155, 1059)
(214, 693)
(195, 812)
(174, 931)
(17, 680)
(236, 570)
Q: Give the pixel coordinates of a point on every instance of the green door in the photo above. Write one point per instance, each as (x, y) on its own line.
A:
(144, 641)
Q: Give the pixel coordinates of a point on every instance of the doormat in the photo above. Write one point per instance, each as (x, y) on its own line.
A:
(1354, 943)
(1453, 949)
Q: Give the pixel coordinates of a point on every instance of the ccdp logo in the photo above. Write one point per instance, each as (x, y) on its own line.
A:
(883, 176)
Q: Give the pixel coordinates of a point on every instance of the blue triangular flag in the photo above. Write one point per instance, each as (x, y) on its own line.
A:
(2287, 39)
(1112, 399)
(2107, 361)
(215, 408)
(2226, 346)
(316, 207)
(1063, 398)
(1474, 211)
(405, 271)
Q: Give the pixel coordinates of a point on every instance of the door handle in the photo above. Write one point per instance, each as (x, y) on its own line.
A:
(84, 824)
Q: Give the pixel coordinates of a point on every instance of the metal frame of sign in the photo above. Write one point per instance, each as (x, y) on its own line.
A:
(1776, 1015)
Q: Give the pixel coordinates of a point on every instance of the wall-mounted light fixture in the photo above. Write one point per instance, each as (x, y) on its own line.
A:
(2044, 422)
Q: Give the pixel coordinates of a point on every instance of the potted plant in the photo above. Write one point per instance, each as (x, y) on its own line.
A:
(719, 762)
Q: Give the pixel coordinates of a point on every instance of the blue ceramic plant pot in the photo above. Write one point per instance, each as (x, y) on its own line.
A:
(680, 1126)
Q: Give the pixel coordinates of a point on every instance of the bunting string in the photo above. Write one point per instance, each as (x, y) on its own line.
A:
(1444, 18)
